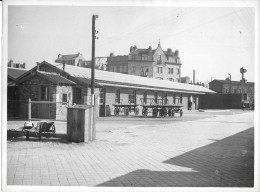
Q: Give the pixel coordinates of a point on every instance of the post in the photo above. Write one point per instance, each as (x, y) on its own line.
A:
(29, 109)
(93, 104)
(242, 70)
(230, 83)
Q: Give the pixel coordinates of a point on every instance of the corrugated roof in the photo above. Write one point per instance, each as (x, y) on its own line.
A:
(55, 78)
(232, 82)
(108, 77)
(14, 73)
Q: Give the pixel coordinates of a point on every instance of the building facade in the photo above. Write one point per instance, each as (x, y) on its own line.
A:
(49, 83)
(73, 59)
(152, 63)
(234, 87)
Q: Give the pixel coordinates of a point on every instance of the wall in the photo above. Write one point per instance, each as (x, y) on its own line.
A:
(220, 101)
(31, 89)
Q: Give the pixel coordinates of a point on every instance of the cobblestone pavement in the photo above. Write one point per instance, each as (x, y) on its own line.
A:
(217, 151)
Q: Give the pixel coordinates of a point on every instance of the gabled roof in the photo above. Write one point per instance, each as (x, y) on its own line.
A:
(83, 81)
(232, 82)
(124, 80)
(14, 73)
(52, 77)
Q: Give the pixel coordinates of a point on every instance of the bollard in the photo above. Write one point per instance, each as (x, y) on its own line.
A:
(27, 135)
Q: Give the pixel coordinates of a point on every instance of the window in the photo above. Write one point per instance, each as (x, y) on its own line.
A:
(159, 58)
(44, 93)
(170, 59)
(144, 57)
(64, 97)
(159, 69)
(174, 98)
(181, 99)
(102, 96)
(178, 71)
(164, 99)
(77, 95)
(132, 97)
(170, 70)
(156, 97)
(117, 96)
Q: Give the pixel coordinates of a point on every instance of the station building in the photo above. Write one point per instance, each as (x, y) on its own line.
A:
(71, 84)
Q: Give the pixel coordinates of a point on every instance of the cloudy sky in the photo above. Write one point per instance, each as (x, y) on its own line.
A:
(213, 41)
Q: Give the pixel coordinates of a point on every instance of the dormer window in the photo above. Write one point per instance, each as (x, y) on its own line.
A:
(170, 59)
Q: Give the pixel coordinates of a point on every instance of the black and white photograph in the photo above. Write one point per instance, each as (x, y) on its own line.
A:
(130, 95)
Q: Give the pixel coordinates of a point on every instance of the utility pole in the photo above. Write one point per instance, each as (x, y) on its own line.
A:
(93, 105)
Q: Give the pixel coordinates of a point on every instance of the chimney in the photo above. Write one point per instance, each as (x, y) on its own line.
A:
(131, 49)
(111, 54)
(194, 77)
(169, 50)
(149, 48)
(177, 53)
(38, 66)
(59, 56)
(135, 47)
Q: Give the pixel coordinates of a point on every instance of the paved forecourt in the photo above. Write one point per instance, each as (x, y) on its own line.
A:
(214, 151)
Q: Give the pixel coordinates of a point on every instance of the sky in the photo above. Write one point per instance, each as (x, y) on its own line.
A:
(212, 41)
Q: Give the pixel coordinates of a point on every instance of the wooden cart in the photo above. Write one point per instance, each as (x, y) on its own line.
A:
(126, 108)
(159, 108)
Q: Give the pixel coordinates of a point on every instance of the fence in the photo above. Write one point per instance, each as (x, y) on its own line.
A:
(47, 110)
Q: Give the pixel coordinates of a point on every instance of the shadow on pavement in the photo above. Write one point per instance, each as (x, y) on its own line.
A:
(225, 163)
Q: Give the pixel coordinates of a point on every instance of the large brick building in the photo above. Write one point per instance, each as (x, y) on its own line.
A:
(152, 63)
(234, 87)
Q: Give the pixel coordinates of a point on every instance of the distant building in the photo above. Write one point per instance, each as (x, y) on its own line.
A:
(80, 61)
(152, 63)
(16, 65)
(73, 59)
(185, 80)
(226, 87)
(101, 63)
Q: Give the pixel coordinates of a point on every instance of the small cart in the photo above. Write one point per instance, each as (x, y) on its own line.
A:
(126, 108)
(160, 108)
